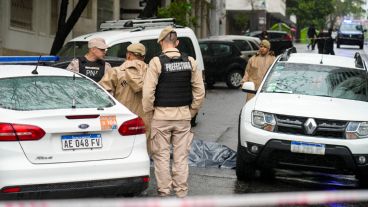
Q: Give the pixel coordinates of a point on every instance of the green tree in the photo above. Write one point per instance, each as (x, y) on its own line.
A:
(311, 11)
(181, 11)
(346, 8)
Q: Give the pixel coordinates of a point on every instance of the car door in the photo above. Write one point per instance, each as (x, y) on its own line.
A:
(221, 58)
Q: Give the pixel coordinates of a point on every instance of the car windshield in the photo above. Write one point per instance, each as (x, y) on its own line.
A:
(317, 80)
(51, 92)
(351, 27)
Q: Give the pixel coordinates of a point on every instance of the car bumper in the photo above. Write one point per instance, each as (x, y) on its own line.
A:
(274, 151)
(20, 172)
(348, 41)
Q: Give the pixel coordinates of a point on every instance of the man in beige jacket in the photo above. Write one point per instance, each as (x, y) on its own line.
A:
(173, 91)
(258, 65)
(126, 81)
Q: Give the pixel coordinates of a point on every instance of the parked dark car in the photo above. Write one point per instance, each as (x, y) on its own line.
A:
(247, 45)
(223, 62)
(280, 40)
(350, 33)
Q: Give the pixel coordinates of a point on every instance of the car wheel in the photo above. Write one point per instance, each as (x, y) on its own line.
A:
(363, 180)
(234, 78)
(267, 174)
(361, 46)
(244, 171)
(193, 121)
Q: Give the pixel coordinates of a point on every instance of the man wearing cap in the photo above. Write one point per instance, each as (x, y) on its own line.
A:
(126, 81)
(173, 91)
(92, 64)
(258, 65)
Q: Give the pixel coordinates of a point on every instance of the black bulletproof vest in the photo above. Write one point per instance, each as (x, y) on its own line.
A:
(94, 70)
(174, 86)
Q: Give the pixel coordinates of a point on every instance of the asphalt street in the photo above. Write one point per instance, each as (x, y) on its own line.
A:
(217, 122)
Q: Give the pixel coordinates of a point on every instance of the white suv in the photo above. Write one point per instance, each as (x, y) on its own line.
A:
(120, 34)
(310, 113)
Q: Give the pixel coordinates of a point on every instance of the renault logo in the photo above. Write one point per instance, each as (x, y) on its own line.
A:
(310, 126)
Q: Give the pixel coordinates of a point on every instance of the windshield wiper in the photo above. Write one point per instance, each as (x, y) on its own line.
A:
(279, 91)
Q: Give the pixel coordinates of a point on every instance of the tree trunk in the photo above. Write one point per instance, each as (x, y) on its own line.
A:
(65, 27)
(150, 10)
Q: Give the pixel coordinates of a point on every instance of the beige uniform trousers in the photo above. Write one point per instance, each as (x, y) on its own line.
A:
(177, 133)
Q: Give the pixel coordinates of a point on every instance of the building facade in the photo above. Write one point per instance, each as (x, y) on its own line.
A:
(252, 15)
(29, 27)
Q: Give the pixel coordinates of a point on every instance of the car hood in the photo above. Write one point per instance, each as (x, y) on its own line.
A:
(351, 32)
(312, 106)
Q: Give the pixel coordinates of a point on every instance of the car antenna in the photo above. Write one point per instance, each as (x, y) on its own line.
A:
(35, 72)
(73, 100)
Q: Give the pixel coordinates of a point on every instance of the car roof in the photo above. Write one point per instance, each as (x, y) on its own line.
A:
(236, 37)
(330, 60)
(111, 36)
(10, 71)
(207, 40)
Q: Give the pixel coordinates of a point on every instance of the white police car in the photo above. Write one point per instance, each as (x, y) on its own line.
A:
(62, 132)
(310, 113)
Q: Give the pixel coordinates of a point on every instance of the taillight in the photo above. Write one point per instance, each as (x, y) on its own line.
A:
(82, 116)
(287, 37)
(20, 132)
(7, 132)
(11, 190)
(132, 127)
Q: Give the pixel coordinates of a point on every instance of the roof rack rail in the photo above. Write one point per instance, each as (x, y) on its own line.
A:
(285, 55)
(358, 60)
(134, 23)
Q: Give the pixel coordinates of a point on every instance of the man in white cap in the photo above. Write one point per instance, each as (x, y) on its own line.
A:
(173, 92)
(258, 66)
(92, 64)
(126, 81)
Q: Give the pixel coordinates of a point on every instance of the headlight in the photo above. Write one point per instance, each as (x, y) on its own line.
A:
(263, 120)
(357, 130)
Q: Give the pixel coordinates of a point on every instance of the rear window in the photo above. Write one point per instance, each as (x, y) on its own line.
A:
(243, 45)
(50, 92)
(74, 49)
(154, 49)
(78, 49)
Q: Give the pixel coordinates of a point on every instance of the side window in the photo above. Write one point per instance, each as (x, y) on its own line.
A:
(254, 45)
(118, 50)
(186, 46)
(221, 49)
(205, 49)
(152, 49)
(243, 45)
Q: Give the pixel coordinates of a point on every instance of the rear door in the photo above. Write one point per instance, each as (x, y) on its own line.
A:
(80, 120)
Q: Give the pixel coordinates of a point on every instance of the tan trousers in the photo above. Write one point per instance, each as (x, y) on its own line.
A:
(177, 133)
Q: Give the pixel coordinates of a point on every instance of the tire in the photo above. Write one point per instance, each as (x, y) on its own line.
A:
(267, 174)
(193, 122)
(234, 78)
(363, 180)
(244, 171)
(361, 46)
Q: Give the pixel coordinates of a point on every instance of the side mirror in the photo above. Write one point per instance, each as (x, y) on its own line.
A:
(249, 87)
(365, 30)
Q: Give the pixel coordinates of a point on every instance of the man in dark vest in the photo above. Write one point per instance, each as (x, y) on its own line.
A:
(173, 92)
(92, 64)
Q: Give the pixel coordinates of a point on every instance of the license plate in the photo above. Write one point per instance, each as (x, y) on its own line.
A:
(81, 141)
(307, 148)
